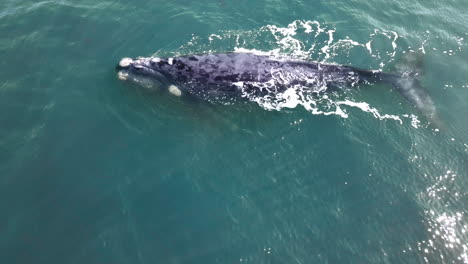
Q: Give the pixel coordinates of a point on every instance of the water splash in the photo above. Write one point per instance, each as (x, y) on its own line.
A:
(310, 40)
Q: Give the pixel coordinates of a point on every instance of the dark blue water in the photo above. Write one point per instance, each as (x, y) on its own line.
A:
(93, 170)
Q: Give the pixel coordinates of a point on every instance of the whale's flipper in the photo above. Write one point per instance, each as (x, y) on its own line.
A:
(407, 81)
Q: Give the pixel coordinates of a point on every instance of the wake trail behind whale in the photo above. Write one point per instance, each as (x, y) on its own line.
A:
(311, 40)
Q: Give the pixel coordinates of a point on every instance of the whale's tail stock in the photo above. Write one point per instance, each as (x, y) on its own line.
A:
(407, 81)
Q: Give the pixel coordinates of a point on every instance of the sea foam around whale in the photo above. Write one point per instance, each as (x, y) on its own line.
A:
(311, 40)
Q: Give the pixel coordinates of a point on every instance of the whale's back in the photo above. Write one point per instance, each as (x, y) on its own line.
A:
(227, 67)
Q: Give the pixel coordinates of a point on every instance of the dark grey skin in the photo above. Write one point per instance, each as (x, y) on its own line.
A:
(229, 77)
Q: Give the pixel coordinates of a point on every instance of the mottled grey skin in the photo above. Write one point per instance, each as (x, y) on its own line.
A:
(227, 77)
(233, 74)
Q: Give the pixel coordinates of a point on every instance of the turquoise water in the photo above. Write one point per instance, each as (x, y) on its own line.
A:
(93, 170)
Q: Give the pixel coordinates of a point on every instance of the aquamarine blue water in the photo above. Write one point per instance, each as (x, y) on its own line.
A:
(93, 170)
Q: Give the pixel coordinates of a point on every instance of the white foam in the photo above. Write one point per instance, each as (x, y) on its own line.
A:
(213, 36)
(368, 46)
(258, 52)
(367, 108)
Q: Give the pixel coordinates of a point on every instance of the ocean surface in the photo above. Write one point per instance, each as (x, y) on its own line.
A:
(93, 170)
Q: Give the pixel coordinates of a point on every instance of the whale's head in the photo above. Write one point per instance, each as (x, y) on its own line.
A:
(142, 71)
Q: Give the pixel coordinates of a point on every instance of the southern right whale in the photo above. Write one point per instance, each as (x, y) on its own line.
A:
(230, 77)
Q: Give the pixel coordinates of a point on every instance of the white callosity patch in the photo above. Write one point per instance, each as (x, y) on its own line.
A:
(155, 60)
(170, 61)
(125, 62)
(175, 90)
(122, 75)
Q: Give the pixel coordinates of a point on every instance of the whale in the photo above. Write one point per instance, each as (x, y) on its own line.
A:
(232, 77)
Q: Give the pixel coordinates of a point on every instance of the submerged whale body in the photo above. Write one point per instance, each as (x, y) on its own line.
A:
(230, 77)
